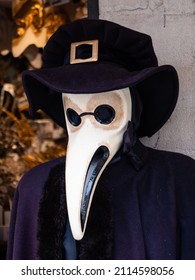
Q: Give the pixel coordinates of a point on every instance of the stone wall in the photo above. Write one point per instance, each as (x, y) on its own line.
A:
(171, 24)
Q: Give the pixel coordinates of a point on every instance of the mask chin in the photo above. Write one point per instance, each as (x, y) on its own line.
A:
(90, 148)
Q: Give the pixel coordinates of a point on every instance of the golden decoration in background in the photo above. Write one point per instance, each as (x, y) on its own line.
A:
(30, 14)
(53, 21)
(35, 21)
(17, 152)
(19, 128)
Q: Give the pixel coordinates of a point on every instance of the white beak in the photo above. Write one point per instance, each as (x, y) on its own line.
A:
(85, 162)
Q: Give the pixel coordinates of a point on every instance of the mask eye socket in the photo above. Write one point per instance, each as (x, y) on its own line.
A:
(73, 117)
(104, 114)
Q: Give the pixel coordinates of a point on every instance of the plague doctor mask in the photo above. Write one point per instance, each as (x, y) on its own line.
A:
(95, 124)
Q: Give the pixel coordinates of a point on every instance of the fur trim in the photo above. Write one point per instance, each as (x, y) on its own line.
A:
(52, 216)
(98, 240)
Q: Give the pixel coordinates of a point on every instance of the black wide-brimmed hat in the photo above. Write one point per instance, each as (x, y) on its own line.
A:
(94, 56)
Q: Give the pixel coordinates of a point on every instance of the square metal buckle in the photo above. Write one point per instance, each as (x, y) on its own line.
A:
(94, 57)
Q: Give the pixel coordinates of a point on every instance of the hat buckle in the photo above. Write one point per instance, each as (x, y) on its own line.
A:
(94, 55)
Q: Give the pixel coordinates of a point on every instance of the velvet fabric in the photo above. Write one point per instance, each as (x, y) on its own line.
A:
(151, 210)
(126, 58)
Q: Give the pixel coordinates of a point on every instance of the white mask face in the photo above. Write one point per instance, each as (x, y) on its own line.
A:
(95, 124)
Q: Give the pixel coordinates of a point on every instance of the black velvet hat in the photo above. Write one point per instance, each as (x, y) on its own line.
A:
(94, 56)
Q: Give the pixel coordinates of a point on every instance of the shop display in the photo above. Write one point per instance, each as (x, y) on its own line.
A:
(111, 197)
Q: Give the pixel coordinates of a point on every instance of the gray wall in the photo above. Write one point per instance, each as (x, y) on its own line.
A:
(171, 24)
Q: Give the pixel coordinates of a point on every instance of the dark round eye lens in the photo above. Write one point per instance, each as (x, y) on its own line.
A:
(73, 117)
(104, 114)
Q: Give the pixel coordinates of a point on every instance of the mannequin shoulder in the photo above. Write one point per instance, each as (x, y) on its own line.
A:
(173, 159)
(37, 176)
(179, 166)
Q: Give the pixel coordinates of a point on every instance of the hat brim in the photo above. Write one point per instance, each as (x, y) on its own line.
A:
(157, 86)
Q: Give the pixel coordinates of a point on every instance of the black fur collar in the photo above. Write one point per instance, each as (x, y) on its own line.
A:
(98, 240)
